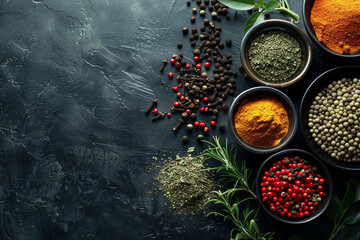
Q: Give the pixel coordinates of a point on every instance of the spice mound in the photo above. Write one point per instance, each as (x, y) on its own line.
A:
(292, 188)
(262, 121)
(275, 55)
(185, 184)
(337, 24)
(334, 120)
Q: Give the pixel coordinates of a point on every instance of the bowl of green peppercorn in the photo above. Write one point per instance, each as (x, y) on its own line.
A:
(330, 117)
(276, 53)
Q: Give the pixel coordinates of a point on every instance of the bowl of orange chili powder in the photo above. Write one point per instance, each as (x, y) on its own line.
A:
(334, 25)
(263, 119)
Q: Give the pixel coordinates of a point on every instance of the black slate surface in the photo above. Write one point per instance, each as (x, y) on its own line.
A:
(75, 144)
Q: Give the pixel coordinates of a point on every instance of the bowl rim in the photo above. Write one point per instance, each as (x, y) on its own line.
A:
(254, 90)
(303, 127)
(323, 170)
(286, 24)
(316, 41)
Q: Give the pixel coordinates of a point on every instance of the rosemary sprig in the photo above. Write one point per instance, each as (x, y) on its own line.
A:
(230, 172)
(230, 199)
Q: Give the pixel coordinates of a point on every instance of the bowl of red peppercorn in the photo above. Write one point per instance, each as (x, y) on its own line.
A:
(293, 186)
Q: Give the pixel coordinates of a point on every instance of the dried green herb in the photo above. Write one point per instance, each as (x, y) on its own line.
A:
(184, 183)
(275, 55)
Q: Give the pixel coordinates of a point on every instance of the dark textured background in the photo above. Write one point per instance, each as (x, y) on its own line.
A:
(75, 144)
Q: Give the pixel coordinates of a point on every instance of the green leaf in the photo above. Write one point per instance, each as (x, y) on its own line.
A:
(254, 19)
(271, 5)
(258, 6)
(334, 210)
(352, 234)
(261, 2)
(353, 215)
(239, 4)
(253, 225)
(356, 185)
(349, 197)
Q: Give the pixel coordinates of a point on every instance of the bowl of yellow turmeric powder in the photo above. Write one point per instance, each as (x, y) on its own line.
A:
(263, 119)
(334, 26)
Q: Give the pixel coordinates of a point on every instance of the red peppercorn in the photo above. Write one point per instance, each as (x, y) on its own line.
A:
(172, 61)
(206, 129)
(202, 124)
(207, 64)
(263, 189)
(155, 110)
(196, 124)
(182, 98)
(301, 215)
(169, 114)
(321, 194)
(170, 75)
(174, 88)
(176, 104)
(187, 66)
(198, 66)
(180, 85)
(188, 111)
(196, 58)
(273, 209)
(206, 109)
(205, 99)
(202, 109)
(178, 94)
(321, 181)
(213, 123)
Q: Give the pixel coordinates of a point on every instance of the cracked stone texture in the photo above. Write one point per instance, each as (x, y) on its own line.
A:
(75, 144)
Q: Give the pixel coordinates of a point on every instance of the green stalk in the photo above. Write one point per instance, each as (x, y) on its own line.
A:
(285, 8)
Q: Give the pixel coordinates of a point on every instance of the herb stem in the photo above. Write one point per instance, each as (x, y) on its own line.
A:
(285, 8)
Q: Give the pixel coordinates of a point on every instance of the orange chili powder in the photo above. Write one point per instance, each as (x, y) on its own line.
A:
(262, 121)
(337, 24)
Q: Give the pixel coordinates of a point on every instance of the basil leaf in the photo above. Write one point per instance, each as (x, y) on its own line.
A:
(254, 19)
(353, 215)
(334, 210)
(352, 234)
(239, 4)
(271, 5)
(258, 6)
(261, 2)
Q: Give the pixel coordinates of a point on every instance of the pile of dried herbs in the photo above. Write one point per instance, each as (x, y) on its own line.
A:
(185, 183)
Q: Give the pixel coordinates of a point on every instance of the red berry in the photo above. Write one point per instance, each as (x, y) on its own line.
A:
(155, 110)
(180, 85)
(196, 58)
(178, 94)
(202, 109)
(321, 181)
(176, 104)
(170, 75)
(306, 213)
(263, 189)
(188, 111)
(213, 124)
(172, 61)
(308, 179)
(175, 88)
(206, 129)
(202, 124)
(196, 124)
(198, 66)
(207, 64)
(182, 98)
(206, 109)
(321, 194)
(169, 114)
(301, 215)
(187, 66)
(205, 99)
(273, 209)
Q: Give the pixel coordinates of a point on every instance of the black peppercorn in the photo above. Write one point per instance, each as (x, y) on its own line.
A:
(192, 19)
(185, 139)
(185, 30)
(179, 45)
(200, 137)
(222, 127)
(188, 3)
(193, 43)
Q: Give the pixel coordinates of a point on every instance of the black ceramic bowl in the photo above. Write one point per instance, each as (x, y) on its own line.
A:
(327, 187)
(307, 7)
(259, 91)
(282, 25)
(317, 86)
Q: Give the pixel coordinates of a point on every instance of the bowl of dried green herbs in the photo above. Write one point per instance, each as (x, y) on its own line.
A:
(276, 53)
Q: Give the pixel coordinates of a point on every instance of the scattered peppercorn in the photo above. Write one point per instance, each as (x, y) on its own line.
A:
(185, 30)
(179, 45)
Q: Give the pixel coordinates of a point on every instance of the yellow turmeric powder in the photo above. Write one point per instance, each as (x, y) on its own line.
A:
(337, 24)
(262, 121)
